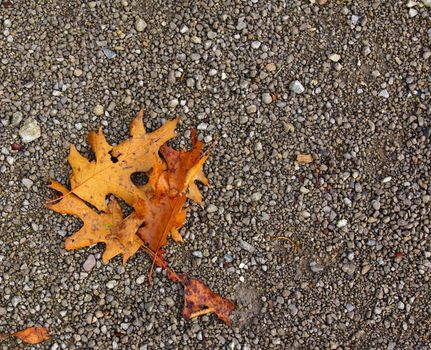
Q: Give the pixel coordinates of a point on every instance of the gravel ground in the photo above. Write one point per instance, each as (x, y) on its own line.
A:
(345, 81)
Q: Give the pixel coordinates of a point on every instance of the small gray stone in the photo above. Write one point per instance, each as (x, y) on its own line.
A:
(77, 72)
(211, 208)
(296, 87)
(7, 23)
(316, 267)
(27, 183)
(256, 197)
(335, 57)
(228, 258)
(3, 311)
(384, 93)
(246, 246)
(349, 268)
(140, 25)
(173, 103)
(141, 279)
(198, 254)
(111, 284)
(169, 301)
(341, 223)
(89, 263)
(350, 307)
(266, 98)
(108, 53)
(16, 119)
(30, 130)
(255, 44)
(251, 109)
(376, 204)
(293, 309)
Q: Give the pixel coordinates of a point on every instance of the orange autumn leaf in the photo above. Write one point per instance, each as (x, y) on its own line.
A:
(158, 207)
(32, 335)
(198, 298)
(111, 172)
(103, 227)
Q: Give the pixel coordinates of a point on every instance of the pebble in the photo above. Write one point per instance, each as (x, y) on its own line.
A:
(296, 87)
(271, 67)
(77, 72)
(228, 258)
(266, 98)
(16, 119)
(365, 269)
(341, 223)
(251, 109)
(173, 103)
(376, 204)
(335, 57)
(141, 279)
(169, 301)
(198, 254)
(255, 44)
(30, 130)
(27, 183)
(349, 268)
(256, 197)
(89, 263)
(140, 25)
(246, 246)
(316, 267)
(413, 12)
(384, 93)
(212, 208)
(111, 284)
(387, 179)
(109, 53)
(7, 23)
(195, 39)
(98, 110)
(350, 307)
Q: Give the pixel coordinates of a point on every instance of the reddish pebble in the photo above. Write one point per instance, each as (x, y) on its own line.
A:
(16, 147)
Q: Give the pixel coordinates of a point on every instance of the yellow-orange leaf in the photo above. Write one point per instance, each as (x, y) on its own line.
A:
(32, 335)
(107, 227)
(111, 172)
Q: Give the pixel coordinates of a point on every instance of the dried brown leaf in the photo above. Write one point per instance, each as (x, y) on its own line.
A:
(32, 335)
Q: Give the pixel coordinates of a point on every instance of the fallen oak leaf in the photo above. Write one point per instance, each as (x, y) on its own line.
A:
(199, 299)
(104, 227)
(111, 172)
(32, 335)
(184, 168)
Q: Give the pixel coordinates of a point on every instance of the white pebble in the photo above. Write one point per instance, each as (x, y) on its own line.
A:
(341, 223)
(98, 110)
(296, 87)
(387, 179)
(266, 98)
(173, 103)
(255, 44)
(27, 183)
(140, 25)
(335, 57)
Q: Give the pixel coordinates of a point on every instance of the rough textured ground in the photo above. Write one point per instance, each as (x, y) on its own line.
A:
(359, 216)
